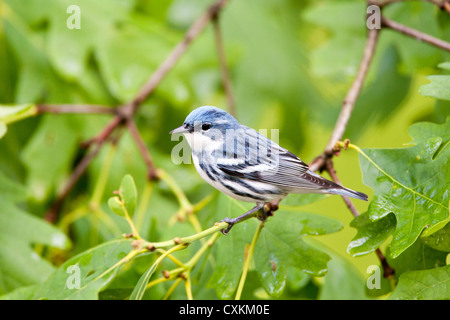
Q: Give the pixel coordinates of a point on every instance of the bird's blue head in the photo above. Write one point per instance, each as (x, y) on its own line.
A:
(205, 118)
(206, 127)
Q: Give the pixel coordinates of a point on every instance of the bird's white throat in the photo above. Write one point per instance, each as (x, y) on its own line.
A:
(200, 142)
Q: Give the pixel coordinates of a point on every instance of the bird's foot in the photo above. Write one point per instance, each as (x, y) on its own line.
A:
(230, 222)
(242, 217)
(267, 211)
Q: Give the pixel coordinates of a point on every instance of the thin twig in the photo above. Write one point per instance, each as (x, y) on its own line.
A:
(332, 172)
(143, 150)
(196, 28)
(385, 22)
(388, 271)
(105, 132)
(350, 100)
(125, 112)
(355, 89)
(226, 80)
(52, 213)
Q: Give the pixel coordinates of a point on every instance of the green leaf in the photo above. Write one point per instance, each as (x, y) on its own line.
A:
(418, 256)
(12, 113)
(48, 154)
(95, 268)
(387, 90)
(23, 293)
(128, 193)
(3, 129)
(230, 250)
(20, 265)
(439, 87)
(11, 190)
(347, 41)
(342, 281)
(282, 244)
(295, 200)
(371, 234)
(297, 279)
(440, 240)
(122, 70)
(433, 284)
(115, 205)
(139, 290)
(421, 16)
(125, 203)
(410, 182)
(69, 48)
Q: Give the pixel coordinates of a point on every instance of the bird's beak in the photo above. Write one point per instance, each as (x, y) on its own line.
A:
(179, 130)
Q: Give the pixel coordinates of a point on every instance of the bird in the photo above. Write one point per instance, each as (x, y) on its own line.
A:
(246, 165)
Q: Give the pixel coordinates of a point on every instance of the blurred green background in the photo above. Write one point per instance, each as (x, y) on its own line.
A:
(291, 64)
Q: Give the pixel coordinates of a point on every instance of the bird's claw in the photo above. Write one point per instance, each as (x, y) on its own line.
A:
(230, 222)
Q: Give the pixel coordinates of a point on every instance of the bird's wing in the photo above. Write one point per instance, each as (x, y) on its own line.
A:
(265, 161)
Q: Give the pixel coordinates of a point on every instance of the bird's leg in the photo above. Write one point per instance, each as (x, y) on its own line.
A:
(264, 213)
(268, 210)
(244, 216)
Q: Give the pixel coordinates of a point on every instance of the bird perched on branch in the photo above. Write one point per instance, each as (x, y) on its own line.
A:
(246, 165)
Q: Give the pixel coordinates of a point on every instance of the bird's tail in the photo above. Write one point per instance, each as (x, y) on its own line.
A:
(342, 191)
(327, 186)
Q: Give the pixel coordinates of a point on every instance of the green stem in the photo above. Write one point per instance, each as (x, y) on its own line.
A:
(202, 203)
(194, 221)
(171, 257)
(126, 215)
(125, 259)
(172, 288)
(178, 192)
(143, 204)
(72, 216)
(184, 268)
(106, 220)
(187, 284)
(102, 180)
(202, 250)
(132, 226)
(139, 290)
(217, 227)
(247, 261)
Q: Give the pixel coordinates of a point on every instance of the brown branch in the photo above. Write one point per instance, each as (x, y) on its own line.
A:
(143, 150)
(415, 33)
(105, 132)
(196, 28)
(52, 214)
(388, 271)
(330, 169)
(349, 101)
(125, 113)
(324, 160)
(223, 66)
(74, 108)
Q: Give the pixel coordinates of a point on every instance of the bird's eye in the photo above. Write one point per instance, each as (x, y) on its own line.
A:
(206, 126)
